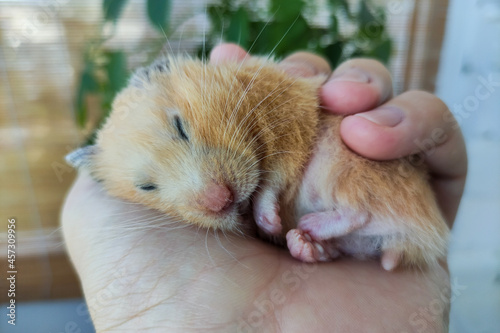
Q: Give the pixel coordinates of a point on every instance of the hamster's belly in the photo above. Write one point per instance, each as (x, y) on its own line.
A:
(317, 194)
(359, 246)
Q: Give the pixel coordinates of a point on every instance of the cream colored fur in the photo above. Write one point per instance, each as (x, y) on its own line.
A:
(247, 125)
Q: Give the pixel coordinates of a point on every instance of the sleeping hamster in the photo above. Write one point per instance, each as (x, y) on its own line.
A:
(209, 144)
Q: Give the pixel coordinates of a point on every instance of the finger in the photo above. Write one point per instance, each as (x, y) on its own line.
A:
(84, 193)
(227, 53)
(305, 64)
(301, 64)
(357, 85)
(414, 122)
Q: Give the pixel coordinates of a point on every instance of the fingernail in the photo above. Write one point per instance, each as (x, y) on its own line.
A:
(387, 116)
(298, 69)
(352, 75)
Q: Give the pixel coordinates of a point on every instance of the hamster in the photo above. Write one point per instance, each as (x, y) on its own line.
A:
(210, 144)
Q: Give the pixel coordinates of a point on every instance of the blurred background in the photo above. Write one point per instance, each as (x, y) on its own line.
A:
(61, 62)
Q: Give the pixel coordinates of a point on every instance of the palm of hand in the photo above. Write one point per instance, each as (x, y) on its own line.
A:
(141, 272)
(179, 278)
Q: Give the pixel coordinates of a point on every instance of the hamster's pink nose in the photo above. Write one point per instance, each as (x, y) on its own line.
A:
(216, 197)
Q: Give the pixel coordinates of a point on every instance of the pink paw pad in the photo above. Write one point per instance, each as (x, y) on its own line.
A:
(304, 248)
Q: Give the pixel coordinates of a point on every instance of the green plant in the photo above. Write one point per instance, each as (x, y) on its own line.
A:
(285, 26)
(279, 28)
(105, 71)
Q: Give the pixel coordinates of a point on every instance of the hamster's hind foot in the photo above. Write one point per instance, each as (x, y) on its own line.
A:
(304, 248)
(334, 223)
(391, 259)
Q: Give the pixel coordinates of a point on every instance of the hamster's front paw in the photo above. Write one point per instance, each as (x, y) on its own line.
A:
(304, 248)
(266, 213)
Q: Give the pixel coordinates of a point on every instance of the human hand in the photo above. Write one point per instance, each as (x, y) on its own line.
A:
(141, 271)
(382, 127)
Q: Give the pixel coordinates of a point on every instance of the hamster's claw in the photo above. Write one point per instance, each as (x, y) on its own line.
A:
(304, 248)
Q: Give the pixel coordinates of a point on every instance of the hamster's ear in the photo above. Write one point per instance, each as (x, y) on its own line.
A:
(161, 64)
(82, 157)
(142, 76)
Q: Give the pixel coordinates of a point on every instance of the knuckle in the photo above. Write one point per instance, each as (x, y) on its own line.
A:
(367, 64)
(374, 69)
(436, 103)
(308, 60)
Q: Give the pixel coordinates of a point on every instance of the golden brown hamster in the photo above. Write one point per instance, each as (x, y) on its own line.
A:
(209, 144)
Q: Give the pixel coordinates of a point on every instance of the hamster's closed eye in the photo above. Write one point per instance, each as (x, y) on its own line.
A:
(147, 187)
(180, 128)
(261, 147)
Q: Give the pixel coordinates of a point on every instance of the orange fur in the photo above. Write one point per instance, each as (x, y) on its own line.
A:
(397, 195)
(256, 122)
(251, 126)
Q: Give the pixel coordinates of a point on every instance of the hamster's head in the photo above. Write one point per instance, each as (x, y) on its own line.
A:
(178, 140)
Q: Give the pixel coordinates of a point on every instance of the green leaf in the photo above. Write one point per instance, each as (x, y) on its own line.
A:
(117, 75)
(372, 31)
(90, 140)
(365, 16)
(383, 51)
(342, 5)
(286, 10)
(116, 69)
(112, 9)
(285, 37)
(259, 36)
(239, 28)
(333, 53)
(334, 27)
(216, 15)
(159, 14)
(87, 85)
(275, 28)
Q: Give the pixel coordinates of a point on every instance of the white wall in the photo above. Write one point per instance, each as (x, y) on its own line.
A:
(471, 54)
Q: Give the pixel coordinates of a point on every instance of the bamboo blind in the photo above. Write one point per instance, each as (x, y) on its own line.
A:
(40, 57)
